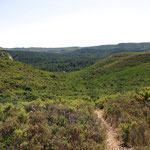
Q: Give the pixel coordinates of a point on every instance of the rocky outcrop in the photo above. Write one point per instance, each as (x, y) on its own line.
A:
(10, 57)
(5, 55)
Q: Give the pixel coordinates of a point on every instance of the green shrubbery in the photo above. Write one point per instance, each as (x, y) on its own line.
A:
(50, 125)
(72, 124)
(116, 74)
(131, 113)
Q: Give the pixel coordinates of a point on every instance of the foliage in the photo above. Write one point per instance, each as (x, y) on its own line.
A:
(19, 82)
(116, 74)
(50, 125)
(131, 113)
(64, 123)
(55, 62)
(72, 59)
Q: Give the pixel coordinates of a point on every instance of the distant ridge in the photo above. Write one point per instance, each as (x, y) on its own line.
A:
(69, 49)
(71, 58)
(43, 49)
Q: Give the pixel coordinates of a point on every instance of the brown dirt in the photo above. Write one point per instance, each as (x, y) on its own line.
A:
(111, 143)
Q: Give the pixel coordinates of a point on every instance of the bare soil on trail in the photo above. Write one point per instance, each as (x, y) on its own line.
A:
(112, 143)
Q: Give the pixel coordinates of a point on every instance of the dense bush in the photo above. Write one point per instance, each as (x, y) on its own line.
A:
(131, 113)
(50, 126)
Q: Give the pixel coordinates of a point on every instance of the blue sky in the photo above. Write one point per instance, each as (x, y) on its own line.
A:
(60, 23)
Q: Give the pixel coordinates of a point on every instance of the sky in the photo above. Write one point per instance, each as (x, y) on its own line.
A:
(63, 23)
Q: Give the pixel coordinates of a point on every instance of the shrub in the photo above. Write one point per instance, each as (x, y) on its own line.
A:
(131, 113)
(51, 125)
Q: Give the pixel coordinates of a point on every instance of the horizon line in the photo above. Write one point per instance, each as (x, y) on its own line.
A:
(75, 46)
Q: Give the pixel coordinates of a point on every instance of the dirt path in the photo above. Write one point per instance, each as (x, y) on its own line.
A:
(112, 143)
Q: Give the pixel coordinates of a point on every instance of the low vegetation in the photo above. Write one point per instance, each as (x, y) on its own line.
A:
(116, 74)
(50, 125)
(43, 110)
(131, 114)
(19, 82)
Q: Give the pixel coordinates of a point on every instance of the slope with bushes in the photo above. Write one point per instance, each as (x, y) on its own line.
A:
(117, 84)
(50, 125)
(19, 82)
(115, 74)
(131, 114)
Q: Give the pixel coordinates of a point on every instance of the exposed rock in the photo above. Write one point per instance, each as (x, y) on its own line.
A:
(5, 55)
(10, 57)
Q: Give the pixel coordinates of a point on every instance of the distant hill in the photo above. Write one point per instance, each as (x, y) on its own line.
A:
(71, 59)
(129, 46)
(106, 50)
(42, 49)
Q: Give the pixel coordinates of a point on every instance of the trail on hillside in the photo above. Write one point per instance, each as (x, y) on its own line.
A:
(112, 143)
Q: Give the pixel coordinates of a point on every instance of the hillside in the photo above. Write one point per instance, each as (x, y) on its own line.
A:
(115, 74)
(35, 104)
(71, 59)
(21, 82)
(50, 125)
(129, 114)
(35, 113)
